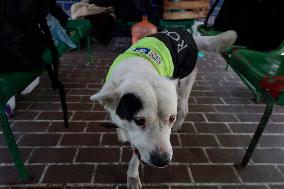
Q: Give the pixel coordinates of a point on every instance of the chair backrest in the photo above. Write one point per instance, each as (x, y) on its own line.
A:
(186, 9)
(280, 49)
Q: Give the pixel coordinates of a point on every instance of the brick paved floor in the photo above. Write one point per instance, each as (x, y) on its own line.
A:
(219, 126)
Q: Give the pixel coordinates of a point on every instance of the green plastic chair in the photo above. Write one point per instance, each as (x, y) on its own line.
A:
(11, 84)
(14, 82)
(82, 29)
(263, 73)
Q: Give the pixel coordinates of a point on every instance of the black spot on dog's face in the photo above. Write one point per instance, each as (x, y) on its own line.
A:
(128, 106)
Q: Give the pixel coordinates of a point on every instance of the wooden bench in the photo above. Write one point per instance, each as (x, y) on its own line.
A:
(182, 13)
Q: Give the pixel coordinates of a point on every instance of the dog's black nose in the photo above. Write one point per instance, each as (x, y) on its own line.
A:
(160, 159)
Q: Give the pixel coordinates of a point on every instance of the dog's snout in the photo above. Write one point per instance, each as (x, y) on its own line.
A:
(160, 159)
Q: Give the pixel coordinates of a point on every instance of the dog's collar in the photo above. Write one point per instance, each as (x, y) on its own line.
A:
(153, 50)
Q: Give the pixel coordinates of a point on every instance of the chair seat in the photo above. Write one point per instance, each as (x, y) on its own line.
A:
(207, 31)
(255, 65)
(81, 26)
(16, 80)
(13, 82)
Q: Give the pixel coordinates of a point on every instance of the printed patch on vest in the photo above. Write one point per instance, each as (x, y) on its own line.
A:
(149, 53)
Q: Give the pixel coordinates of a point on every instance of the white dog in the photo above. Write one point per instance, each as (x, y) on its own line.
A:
(147, 89)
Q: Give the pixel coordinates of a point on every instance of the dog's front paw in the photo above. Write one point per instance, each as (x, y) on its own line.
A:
(133, 183)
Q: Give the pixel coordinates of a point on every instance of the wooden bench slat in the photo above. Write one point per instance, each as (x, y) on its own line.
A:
(185, 5)
(184, 15)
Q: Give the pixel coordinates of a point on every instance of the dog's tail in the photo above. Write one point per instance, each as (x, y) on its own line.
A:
(218, 43)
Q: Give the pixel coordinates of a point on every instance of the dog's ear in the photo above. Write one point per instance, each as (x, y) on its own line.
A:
(108, 97)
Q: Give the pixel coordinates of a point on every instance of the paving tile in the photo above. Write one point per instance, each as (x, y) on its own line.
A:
(271, 141)
(254, 109)
(268, 156)
(24, 115)
(216, 93)
(52, 155)
(211, 128)
(9, 174)
(221, 118)
(126, 154)
(260, 174)
(195, 117)
(30, 126)
(68, 174)
(225, 155)
(111, 174)
(52, 115)
(194, 187)
(175, 140)
(234, 140)
(23, 105)
(190, 155)
(236, 101)
(213, 173)
(198, 140)
(201, 108)
(230, 108)
(3, 142)
(110, 139)
(39, 140)
(45, 106)
(73, 127)
(277, 117)
(80, 106)
(281, 168)
(37, 187)
(98, 127)
(186, 128)
(281, 186)
(243, 127)
(89, 116)
(249, 117)
(91, 187)
(148, 187)
(80, 140)
(279, 109)
(5, 156)
(244, 187)
(170, 174)
(98, 155)
(274, 128)
(212, 100)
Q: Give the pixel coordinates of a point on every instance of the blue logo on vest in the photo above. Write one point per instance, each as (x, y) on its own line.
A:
(142, 50)
(149, 53)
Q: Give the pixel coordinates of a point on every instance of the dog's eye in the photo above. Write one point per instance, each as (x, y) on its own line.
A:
(140, 121)
(172, 119)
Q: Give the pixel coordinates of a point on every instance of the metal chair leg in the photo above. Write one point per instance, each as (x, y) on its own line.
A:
(56, 84)
(264, 119)
(89, 50)
(10, 140)
(63, 103)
